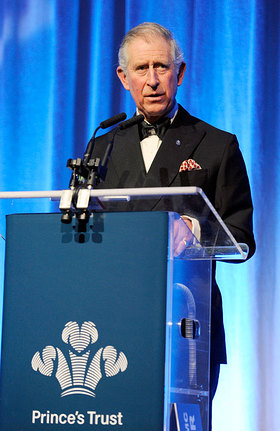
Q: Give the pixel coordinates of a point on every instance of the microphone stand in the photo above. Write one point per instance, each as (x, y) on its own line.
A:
(83, 176)
(92, 170)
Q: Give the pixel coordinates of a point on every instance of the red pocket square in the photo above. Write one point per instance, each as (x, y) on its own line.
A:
(189, 165)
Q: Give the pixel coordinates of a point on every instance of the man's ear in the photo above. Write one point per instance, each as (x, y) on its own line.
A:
(181, 73)
(123, 78)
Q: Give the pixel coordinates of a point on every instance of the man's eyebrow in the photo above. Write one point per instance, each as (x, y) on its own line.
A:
(162, 63)
(140, 63)
(155, 63)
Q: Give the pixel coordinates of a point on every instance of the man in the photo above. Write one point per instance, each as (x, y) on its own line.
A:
(151, 68)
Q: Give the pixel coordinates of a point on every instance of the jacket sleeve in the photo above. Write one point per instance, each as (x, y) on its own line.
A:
(233, 197)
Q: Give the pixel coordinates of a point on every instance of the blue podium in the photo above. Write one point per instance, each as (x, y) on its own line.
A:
(103, 328)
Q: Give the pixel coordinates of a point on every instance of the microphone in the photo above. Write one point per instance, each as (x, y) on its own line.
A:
(134, 120)
(93, 170)
(113, 120)
(103, 125)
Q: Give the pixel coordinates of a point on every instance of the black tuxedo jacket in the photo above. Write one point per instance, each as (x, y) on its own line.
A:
(223, 178)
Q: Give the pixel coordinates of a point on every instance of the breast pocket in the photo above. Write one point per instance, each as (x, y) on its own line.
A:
(198, 178)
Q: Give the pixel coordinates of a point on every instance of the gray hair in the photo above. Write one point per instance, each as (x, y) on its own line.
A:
(145, 30)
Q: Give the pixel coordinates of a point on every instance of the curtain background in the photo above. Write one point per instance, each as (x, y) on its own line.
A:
(58, 81)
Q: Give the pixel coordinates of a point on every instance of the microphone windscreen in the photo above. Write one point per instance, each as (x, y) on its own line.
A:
(131, 121)
(113, 120)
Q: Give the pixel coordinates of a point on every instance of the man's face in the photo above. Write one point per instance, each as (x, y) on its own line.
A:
(151, 76)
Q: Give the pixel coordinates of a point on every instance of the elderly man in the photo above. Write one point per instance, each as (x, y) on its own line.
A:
(153, 154)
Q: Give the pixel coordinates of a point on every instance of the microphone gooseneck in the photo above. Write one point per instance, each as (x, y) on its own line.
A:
(103, 125)
(88, 172)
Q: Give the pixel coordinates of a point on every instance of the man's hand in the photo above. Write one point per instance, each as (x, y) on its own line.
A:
(182, 234)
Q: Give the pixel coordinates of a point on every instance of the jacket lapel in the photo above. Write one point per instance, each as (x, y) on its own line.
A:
(127, 166)
(179, 143)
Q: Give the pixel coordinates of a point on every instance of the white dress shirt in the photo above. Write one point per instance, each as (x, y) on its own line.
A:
(149, 148)
(151, 144)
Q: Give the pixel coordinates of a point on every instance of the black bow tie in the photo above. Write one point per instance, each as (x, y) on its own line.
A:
(159, 129)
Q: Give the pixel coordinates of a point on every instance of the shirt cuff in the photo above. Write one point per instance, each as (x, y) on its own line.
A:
(196, 230)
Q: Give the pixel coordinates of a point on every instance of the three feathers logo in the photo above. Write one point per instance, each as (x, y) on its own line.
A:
(79, 370)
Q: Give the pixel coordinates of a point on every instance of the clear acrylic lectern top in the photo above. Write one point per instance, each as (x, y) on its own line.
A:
(214, 241)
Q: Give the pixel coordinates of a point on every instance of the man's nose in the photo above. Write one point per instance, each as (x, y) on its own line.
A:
(152, 78)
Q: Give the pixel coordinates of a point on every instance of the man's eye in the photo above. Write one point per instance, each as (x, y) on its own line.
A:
(162, 66)
(141, 68)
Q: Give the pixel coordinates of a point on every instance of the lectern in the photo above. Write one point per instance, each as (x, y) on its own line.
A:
(103, 327)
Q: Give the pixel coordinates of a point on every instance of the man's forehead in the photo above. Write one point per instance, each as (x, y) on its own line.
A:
(149, 49)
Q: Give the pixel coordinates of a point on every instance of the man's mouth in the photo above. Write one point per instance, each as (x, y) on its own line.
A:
(154, 96)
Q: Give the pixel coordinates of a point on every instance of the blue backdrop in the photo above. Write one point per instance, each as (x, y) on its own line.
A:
(58, 81)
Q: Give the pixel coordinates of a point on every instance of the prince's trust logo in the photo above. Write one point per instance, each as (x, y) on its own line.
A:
(79, 371)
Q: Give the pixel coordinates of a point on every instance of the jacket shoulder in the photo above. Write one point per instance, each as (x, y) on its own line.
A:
(185, 118)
